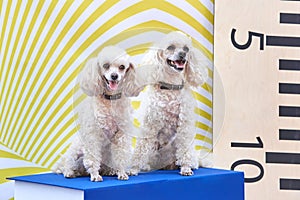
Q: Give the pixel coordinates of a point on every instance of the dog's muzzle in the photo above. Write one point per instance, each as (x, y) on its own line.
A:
(177, 64)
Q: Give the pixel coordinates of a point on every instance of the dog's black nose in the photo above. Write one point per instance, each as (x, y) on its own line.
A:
(182, 54)
(114, 76)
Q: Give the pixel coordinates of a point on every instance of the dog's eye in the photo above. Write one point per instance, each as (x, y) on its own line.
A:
(171, 48)
(121, 67)
(186, 49)
(106, 66)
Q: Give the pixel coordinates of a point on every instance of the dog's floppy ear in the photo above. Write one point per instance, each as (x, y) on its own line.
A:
(153, 57)
(130, 86)
(152, 65)
(89, 78)
(196, 70)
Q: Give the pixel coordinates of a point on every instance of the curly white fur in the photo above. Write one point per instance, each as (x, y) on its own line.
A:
(169, 123)
(103, 144)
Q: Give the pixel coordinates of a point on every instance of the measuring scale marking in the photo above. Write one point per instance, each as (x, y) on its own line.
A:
(284, 110)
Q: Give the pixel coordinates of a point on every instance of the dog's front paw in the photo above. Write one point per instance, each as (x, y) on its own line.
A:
(186, 171)
(123, 176)
(146, 167)
(134, 171)
(96, 178)
(69, 174)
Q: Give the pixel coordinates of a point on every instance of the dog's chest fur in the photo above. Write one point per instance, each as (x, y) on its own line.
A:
(168, 103)
(109, 114)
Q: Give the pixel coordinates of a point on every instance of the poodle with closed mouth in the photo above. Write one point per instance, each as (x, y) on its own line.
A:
(169, 123)
(103, 145)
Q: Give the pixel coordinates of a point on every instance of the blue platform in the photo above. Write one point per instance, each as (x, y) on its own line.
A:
(206, 184)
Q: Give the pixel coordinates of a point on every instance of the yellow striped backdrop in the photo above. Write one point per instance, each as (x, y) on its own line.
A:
(43, 46)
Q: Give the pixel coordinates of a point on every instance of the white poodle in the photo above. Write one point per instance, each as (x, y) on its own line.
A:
(103, 145)
(169, 124)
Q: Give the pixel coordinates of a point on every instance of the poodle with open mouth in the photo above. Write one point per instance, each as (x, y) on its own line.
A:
(103, 144)
(169, 123)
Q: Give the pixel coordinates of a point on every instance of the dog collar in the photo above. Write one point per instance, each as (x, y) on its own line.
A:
(113, 97)
(168, 86)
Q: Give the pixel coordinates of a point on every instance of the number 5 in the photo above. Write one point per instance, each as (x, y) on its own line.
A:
(248, 43)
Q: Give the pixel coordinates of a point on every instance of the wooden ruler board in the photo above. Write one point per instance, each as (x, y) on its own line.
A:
(257, 95)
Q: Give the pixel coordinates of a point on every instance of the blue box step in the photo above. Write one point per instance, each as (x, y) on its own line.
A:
(206, 184)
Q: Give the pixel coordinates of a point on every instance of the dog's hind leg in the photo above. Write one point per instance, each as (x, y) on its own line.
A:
(70, 164)
(142, 153)
(147, 142)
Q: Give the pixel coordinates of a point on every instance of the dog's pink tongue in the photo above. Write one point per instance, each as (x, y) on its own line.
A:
(113, 85)
(180, 64)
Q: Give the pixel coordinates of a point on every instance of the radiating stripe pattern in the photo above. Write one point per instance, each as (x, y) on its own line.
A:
(43, 47)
